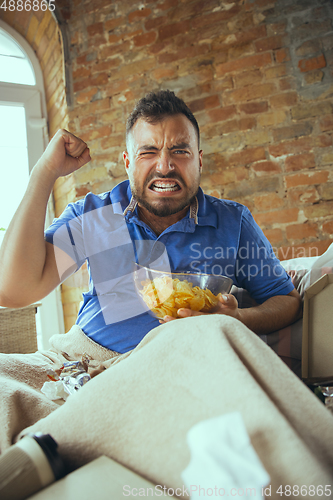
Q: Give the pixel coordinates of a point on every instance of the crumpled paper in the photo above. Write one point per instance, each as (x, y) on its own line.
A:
(67, 380)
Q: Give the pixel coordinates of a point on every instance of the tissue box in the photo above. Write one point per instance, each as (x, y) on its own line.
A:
(317, 339)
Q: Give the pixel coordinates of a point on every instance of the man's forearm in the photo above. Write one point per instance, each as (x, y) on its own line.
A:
(28, 268)
(273, 314)
(23, 252)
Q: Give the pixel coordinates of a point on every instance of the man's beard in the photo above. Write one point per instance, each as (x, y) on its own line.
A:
(164, 206)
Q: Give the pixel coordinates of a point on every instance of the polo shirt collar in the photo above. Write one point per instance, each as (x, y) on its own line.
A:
(201, 212)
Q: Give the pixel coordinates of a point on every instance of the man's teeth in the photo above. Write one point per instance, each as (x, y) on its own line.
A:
(162, 187)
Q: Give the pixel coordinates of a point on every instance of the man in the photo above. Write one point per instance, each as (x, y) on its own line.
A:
(160, 213)
(168, 377)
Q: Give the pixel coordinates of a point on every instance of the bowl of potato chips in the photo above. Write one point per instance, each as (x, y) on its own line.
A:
(164, 293)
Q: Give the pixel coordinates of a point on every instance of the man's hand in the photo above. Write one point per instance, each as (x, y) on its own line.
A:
(64, 154)
(272, 315)
(227, 304)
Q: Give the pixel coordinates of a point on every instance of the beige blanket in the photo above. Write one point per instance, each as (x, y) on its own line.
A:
(140, 409)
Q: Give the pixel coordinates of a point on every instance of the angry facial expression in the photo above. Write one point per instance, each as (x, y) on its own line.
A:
(163, 163)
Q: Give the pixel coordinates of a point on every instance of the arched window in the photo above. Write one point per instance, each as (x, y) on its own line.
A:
(15, 67)
(23, 138)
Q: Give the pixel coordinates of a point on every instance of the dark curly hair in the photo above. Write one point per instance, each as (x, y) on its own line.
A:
(157, 105)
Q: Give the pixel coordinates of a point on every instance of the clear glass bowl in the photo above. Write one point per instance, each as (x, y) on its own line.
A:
(164, 293)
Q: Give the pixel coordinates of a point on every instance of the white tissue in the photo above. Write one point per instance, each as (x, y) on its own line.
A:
(54, 390)
(223, 460)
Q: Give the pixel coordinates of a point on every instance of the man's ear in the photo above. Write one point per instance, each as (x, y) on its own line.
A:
(200, 160)
(126, 159)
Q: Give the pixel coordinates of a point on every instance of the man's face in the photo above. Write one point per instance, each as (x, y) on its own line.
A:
(163, 164)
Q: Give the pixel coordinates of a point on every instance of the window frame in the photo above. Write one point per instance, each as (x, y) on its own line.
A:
(50, 319)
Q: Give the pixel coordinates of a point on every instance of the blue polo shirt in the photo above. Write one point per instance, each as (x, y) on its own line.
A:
(216, 237)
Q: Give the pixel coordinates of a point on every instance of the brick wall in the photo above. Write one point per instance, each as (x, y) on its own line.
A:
(258, 76)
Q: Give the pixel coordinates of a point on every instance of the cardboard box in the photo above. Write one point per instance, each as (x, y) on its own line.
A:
(317, 340)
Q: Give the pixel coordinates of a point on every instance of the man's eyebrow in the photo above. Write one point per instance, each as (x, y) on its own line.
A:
(150, 147)
(180, 145)
(147, 147)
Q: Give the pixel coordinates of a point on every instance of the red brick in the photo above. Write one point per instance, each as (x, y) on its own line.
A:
(113, 23)
(167, 4)
(88, 121)
(244, 36)
(215, 18)
(136, 15)
(254, 107)
(302, 231)
(287, 84)
(113, 141)
(100, 79)
(303, 196)
(282, 55)
(300, 162)
(248, 78)
(321, 209)
(109, 50)
(247, 123)
(328, 227)
(222, 114)
(276, 28)
(297, 130)
(95, 29)
(269, 43)
(223, 178)
(156, 22)
(267, 202)
(85, 97)
(256, 61)
(183, 53)
(285, 99)
(247, 156)
(313, 63)
(237, 52)
(205, 103)
(323, 141)
(276, 71)
(266, 168)
(251, 93)
(81, 73)
(163, 73)
(96, 133)
(106, 65)
(274, 235)
(281, 216)
(307, 179)
(175, 29)
(326, 123)
(290, 147)
(114, 38)
(83, 59)
(145, 39)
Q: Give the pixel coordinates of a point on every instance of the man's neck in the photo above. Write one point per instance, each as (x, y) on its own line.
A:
(160, 224)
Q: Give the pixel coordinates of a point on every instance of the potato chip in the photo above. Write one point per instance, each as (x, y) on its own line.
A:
(164, 296)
